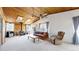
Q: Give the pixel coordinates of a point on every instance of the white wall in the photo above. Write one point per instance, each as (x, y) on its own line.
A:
(61, 22)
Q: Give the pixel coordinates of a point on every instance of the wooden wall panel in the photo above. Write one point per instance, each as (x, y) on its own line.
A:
(17, 27)
(28, 12)
(24, 27)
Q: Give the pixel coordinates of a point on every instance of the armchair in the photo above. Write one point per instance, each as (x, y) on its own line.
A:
(58, 39)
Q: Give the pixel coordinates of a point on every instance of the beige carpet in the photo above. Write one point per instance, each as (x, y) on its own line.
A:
(22, 43)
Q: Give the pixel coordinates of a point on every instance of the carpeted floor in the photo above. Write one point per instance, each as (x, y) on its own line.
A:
(22, 43)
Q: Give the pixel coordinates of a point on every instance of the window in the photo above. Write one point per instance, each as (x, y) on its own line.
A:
(9, 27)
(43, 27)
(29, 29)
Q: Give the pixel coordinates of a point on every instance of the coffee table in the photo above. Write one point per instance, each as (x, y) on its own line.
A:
(33, 37)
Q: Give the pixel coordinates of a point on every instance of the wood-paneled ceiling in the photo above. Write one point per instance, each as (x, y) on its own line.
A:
(28, 12)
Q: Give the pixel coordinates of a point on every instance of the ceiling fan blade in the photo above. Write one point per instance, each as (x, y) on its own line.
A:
(43, 15)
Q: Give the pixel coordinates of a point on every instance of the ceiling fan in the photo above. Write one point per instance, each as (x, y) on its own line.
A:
(43, 15)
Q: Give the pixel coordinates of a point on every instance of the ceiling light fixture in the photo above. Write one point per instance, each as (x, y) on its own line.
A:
(19, 19)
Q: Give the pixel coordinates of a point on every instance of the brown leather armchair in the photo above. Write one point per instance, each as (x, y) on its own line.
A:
(58, 39)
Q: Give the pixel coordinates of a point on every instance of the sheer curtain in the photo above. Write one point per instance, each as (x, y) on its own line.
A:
(78, 33)
(76, 28)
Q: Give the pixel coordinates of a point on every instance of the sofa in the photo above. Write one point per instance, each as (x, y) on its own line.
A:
(42, 35)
